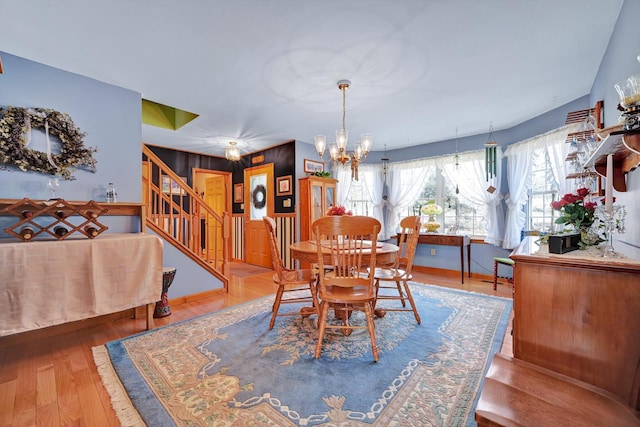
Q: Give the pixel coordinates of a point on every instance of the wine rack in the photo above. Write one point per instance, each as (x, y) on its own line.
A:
(55, 218)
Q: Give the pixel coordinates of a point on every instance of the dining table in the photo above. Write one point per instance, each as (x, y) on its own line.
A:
(307, 252)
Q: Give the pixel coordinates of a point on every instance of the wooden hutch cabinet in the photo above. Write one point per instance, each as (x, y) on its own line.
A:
(316, 196)
(579, 316)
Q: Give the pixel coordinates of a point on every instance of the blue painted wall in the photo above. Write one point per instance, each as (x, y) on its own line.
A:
(111, 118)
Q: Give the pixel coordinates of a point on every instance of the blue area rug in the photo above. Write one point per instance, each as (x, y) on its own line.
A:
(228, 368)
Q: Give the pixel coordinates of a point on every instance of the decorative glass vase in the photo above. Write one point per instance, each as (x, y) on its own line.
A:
(614, 223)
(590, 236)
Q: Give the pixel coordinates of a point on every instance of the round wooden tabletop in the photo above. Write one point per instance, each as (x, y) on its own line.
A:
(307, 251)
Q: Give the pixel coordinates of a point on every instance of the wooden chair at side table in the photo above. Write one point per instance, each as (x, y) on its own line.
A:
(400, 273)
(347, 287)
(289, 280)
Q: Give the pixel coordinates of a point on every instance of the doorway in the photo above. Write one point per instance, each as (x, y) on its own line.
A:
(259, 200)
(215, 198)
(213, 188)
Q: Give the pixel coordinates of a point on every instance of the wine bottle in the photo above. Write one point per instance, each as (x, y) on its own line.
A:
(60, 214)
(26, 233)
(91, 231)
(92, 214)
(60, 230)
(112, 196)
(27, 214)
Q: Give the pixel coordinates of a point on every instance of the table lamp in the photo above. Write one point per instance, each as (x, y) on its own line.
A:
(431, 210)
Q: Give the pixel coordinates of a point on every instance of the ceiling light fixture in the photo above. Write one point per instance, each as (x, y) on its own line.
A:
(338, 149)
(232, 152)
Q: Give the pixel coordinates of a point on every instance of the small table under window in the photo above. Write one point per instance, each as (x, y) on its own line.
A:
(450, 240)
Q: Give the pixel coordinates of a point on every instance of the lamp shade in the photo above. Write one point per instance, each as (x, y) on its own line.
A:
(320, 143)
(431, 208)
(366, 140)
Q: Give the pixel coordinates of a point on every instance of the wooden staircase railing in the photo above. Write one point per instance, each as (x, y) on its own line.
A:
(179, 214)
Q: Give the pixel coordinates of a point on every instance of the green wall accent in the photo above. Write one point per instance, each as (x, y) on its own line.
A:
(163, 116)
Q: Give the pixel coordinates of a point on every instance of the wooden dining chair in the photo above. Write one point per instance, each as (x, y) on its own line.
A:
(392, 283)
(289, 281)
(348, 245)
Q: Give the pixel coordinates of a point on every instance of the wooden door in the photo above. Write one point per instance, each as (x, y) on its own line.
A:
(258, 202)
(216, 198)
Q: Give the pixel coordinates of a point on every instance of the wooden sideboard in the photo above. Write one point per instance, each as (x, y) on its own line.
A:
(458, 240)
(578, 314)
(50, 282)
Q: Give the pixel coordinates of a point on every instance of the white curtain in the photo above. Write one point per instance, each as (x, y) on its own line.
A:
(405, 184)
(343, 174)
(372, 180)
(519, 176)
(519, 179)
(558, 150)
(470, 177)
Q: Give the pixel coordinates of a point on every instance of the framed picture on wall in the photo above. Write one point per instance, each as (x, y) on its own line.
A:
(169, 186)
(312, 166)
(238, 193)
(284, 185)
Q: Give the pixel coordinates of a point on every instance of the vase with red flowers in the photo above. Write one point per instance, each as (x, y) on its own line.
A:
(578, 214)
(338, 210)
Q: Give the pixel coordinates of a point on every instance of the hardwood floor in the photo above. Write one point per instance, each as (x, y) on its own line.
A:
(48, 377)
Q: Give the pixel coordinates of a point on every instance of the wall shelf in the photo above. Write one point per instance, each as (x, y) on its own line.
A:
(625, 147)
(81, 217)
(55, 218)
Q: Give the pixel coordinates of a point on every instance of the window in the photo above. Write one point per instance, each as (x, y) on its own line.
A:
(459, 215)
(530, 193)
(363, 197)
(410, 185)
(358, 201)
(543, 191)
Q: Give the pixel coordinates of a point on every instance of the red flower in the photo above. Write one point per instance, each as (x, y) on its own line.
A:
(338, 210)
(571, 198)
(582, 192)
(556, 205)
(576, 211)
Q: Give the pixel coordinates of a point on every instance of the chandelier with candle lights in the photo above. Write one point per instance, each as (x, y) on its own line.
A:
(338, 149)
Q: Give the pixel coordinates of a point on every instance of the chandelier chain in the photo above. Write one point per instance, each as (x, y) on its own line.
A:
(344, 106)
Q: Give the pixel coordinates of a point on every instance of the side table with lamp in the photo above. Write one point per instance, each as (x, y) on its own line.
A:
(432, 237)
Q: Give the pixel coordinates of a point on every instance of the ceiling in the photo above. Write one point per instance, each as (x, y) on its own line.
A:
(262, 72)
